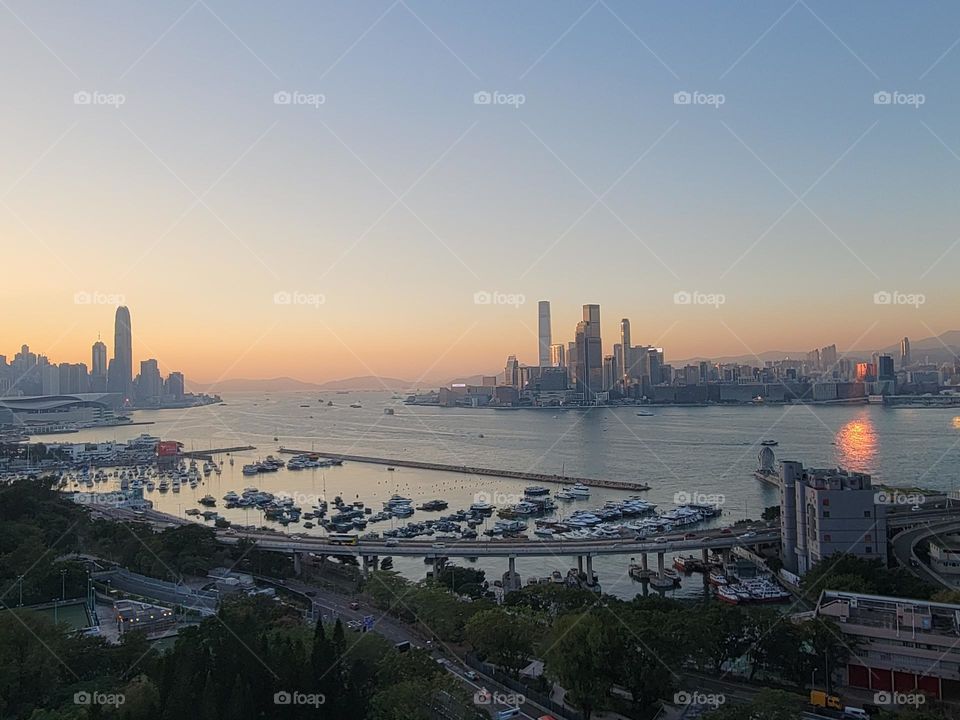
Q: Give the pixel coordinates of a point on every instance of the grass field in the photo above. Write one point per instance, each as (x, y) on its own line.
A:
(74, 615)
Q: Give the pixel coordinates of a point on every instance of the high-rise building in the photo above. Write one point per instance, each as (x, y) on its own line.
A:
(905, 352)
(628, 354)
(828, 357)
(558, 355)
(149, 382)
(885, 369)
(609, 372)
(98, 367)
(511, 372)
(593, 357)
(544, 334)
(120, 372)
(98, 357)
(73, 378)
(174, 386)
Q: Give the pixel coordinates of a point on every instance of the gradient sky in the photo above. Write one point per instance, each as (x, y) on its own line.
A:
(397, 199)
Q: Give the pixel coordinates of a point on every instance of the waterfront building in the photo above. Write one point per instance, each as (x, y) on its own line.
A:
(511, 373)
(828, 357)
(120, 371)
(593, 349)
(824, 511)
(905, 352)
(174, 387)
(899, 644)
(544, 333)
(80, 408)
(149, 384)
(885, 369)
(558, 356)
(98, 367)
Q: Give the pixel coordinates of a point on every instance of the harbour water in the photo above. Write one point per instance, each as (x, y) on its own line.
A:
(707, 451)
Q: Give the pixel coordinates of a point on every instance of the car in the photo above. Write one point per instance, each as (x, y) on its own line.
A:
(354, 624)
(915, 508)
(441, 661)
(726, 531)
(690, 536)
(354, 605)
(914, 562)
(438, 546)
(470, 675)
(392, 542)
(660, 539)
(748, 535)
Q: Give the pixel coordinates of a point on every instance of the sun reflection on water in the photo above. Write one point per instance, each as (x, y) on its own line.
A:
(857, 444)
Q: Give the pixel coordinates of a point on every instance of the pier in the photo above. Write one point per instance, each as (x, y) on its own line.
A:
(490, 472)
(208, 454)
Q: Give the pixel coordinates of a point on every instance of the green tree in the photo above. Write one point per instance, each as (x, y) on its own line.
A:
(504, 638)
(578, 661)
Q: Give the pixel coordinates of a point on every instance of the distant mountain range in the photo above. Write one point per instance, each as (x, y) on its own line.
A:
(288, 384)
(939, 349)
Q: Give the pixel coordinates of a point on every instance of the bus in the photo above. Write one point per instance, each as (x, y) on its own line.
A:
(343, 539)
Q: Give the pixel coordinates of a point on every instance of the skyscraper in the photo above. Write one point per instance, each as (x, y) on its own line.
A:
(558, 355)
(545, 335)
(98, 364)
(904, 352)
(594, 358)
(627, 362)
(120, 378)
(98, 367)
(511, 372)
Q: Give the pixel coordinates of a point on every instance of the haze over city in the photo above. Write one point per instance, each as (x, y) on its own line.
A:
(383, 164)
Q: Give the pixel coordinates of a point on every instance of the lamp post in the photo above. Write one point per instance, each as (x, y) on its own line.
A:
(20, 581)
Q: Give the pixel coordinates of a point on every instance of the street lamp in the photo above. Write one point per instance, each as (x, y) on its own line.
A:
(20, 580)
(63, 584)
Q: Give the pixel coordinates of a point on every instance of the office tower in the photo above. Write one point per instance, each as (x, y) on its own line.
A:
(49, 380)
(511, 372)
(175, 385)
(120, 372)
(618, 360)
(885, 368)
(704, 372)
(828, 357)
(904, 352)
(654, 363)
(594, 348)
(628, 359)
(813, 359)
(558, 356)
(98, 364)
(545, 336)
(149, 382)
(73, 378)
(609, 372)
(572, 362)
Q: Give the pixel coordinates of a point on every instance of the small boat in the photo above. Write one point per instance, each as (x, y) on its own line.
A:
(770, 443)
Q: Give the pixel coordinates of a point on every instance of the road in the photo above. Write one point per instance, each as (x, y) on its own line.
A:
(904, 543)
(337, 606)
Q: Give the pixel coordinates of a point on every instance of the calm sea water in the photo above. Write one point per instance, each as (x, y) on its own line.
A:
(696, 450)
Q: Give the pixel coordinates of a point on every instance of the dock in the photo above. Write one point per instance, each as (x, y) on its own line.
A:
(208, 454)
(466, 469)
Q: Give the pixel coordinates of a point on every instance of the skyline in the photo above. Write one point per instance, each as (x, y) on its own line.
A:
(353, 158)
(101, 355)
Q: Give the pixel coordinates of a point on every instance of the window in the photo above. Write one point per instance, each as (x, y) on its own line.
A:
(826, 513)
(826, 501)
(869, 549)
(866, 513)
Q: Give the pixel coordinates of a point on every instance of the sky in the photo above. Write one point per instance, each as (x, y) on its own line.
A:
(324, 190)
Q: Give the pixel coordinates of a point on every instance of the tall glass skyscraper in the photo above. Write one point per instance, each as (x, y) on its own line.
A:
(545, 335)
(120, 379)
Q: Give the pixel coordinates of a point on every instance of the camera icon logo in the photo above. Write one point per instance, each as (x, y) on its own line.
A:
(882, 297)
(82, 698)
(82, 97)
(282, 698)
(482, 697)
(482, 98)
(282, 97)
(882, 97)
(682, 298)
(682, 98)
